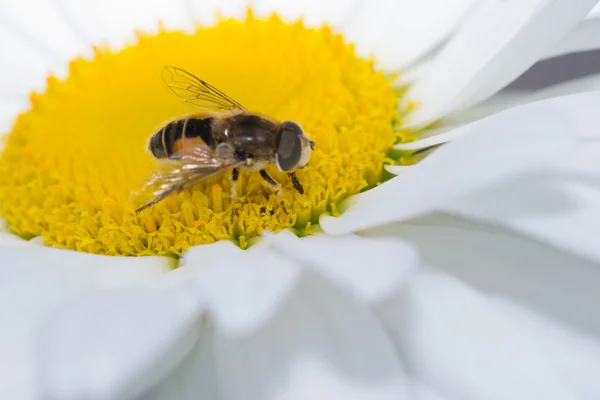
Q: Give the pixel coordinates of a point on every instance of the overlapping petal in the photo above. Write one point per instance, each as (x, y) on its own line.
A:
(21, 73)
(558, 203)
(505, 264)
(558, 208)
(504, 100)
(32, 29)
(395, 31)
(371, 269)
(6, 237)
(454, 340)
(516, 140)
(517, 311)
(267, 334)
(98, 345)
(584, 37)
(313, 12)
(114, 22)
(498, 41)
(34, 282)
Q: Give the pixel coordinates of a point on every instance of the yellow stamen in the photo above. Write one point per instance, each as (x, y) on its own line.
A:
(72, 161)
(217, 199)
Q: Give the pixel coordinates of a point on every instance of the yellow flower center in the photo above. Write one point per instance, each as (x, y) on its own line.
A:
(72, 161)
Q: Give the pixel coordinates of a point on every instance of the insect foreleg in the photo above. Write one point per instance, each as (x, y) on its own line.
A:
(275, 186)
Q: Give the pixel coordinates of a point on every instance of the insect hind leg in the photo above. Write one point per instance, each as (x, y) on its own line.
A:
(275, 186)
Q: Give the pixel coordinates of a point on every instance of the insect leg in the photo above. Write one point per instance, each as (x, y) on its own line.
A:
(296, 182)
(275, 186)
(234, 178)
(235, 173)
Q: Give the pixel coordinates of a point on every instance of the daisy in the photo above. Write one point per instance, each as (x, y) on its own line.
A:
(470, 274)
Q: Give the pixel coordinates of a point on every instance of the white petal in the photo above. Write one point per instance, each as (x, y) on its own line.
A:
(205, 11)
(504, 264)
(402, 31)
(584, 37)
(44, 25)
(419, 391)
(24, 68)
(416, 71)
(7, 238)
(281, 331)
(397, 169)
(454, 339)
(559, 203)
(314, 12)
(557, 210)
(321, 344)
(432, 140)
(115, 21)
(116, 344)
(196, 375)
(9, 108)
(510, 99)
(33, 282)
(372, 269)
(494, 150)
(243, 288)
(575, 356)
(77, 270)
(501, 102)
(499, 41)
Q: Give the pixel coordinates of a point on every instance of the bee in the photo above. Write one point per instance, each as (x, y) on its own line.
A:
(222, 136)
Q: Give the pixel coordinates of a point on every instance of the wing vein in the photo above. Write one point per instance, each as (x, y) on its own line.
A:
(198, 92)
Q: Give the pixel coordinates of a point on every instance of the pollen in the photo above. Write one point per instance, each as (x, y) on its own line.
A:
(73, 159)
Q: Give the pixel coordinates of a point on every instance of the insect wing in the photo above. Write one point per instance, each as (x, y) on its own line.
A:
(182, 170)
(198, 92)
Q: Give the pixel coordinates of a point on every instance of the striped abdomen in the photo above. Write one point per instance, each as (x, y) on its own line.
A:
(177, 134)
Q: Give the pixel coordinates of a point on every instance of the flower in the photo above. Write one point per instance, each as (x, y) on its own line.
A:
(423, 302)
(78, 183)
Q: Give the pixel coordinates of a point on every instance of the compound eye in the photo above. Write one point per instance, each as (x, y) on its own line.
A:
(289, 149)
(292, 126)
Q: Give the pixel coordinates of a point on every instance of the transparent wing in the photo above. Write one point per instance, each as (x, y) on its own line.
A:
(195, 91)
(182, 170)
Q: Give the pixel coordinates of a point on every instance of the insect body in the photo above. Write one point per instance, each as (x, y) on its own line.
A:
(223, 136)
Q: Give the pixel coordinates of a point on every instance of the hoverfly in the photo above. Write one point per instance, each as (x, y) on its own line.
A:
(223, 136)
